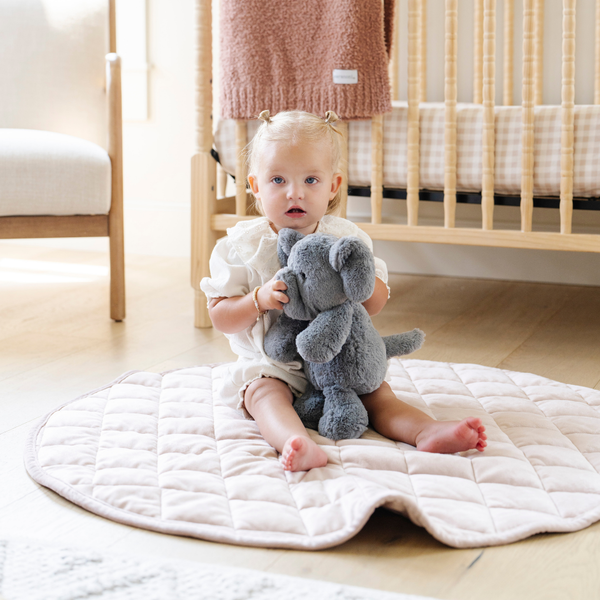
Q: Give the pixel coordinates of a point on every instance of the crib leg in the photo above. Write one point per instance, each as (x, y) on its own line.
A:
(204, 199)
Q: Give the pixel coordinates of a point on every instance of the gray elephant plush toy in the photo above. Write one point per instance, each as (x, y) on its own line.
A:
(325, 325)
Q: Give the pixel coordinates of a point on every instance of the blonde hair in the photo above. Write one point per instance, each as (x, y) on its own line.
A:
(296, 126)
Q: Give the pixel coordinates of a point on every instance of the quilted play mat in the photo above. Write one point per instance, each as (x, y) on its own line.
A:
(165, 452)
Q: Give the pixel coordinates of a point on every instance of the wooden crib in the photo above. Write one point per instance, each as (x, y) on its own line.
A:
(211, 215)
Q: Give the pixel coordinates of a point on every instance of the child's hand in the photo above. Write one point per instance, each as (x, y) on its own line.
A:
(271, 296)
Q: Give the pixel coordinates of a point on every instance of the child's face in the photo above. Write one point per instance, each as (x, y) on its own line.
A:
(294, 184)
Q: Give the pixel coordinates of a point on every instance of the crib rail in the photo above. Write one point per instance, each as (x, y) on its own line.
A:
(210, 216)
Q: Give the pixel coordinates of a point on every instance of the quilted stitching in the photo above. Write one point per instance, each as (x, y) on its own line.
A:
(165, 452)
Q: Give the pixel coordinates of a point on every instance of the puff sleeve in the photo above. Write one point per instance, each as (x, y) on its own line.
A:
(229, 276)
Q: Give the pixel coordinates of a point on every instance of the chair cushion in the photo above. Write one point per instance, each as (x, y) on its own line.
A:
(44, 173)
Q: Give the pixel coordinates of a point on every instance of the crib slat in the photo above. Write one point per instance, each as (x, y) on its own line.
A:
(376, 167)
(489, 94)
(539, 52)
(528, 115)
(597, 55)
(342, 127)
(478, 51)
(414, 33)
(450, 96)
(423, 42)
(568, 115)
(241, 196)
(509, 28)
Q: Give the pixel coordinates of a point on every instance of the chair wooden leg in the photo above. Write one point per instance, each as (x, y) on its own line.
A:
(117, 274)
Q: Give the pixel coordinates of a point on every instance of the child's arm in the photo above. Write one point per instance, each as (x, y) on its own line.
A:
(379, 298)
(232, 315)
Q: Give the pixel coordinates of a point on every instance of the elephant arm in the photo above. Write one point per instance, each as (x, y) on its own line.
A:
(323, 339)
(280, 340)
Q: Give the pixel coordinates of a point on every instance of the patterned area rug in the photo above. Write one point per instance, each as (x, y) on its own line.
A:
(32, 571)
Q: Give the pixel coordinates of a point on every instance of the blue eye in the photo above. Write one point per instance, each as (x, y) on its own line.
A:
(277, 180)
(311, 180)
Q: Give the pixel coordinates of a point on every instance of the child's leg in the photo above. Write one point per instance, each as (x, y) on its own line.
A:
(269, 401)
(404, 423)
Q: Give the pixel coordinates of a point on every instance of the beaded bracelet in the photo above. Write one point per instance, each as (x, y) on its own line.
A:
(255, 298)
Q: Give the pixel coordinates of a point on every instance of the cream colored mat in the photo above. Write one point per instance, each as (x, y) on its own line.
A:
(164, 452)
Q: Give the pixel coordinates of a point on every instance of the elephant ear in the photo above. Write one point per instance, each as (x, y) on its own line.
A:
(285, 242)
(353, 260)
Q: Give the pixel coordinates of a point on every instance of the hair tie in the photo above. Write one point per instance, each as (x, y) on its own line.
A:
(265, 116)
(331, 117)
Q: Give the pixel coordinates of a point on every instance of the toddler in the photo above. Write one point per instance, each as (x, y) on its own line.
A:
(293, 166)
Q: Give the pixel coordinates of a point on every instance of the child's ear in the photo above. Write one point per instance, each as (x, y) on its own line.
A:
(335, 184)
(253, 181)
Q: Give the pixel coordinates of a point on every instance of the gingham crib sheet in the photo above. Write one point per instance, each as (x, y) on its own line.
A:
(586, 176)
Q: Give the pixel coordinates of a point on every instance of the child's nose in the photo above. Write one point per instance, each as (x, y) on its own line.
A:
(295, 192)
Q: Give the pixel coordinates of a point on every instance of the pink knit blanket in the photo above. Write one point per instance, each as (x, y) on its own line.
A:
(313, 55)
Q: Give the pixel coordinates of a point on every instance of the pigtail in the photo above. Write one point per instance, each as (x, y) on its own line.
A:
(330, 119)
(265, 116)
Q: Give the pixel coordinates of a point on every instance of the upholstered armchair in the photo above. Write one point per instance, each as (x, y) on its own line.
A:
(61, 166)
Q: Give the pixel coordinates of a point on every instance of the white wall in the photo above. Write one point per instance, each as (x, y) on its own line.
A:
(158, 151)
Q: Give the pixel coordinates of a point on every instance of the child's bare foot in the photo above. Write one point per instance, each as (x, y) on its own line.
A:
(300, 453)
(448, 437)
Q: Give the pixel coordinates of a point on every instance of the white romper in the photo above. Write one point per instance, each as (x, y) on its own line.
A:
(244, 259)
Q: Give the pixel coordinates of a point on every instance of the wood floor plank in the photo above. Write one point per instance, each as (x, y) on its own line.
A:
(541, 567)
(30, 350)
(16, 484)
(44, 515)
(567, 346)
(497, 326)
(430, 302)
(142, 542)
(34, 393)
(216, 351)
(390, 554)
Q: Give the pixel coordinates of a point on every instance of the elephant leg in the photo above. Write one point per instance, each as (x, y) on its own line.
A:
(344, 415)
(310, 407)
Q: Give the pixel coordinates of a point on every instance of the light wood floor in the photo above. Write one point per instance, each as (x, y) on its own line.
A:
(57, 342)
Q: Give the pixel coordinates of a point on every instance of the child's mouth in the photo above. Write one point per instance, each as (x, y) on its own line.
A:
(295, 212)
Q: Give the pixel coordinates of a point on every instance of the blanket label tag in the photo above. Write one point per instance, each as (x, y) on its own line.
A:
(345, 76)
